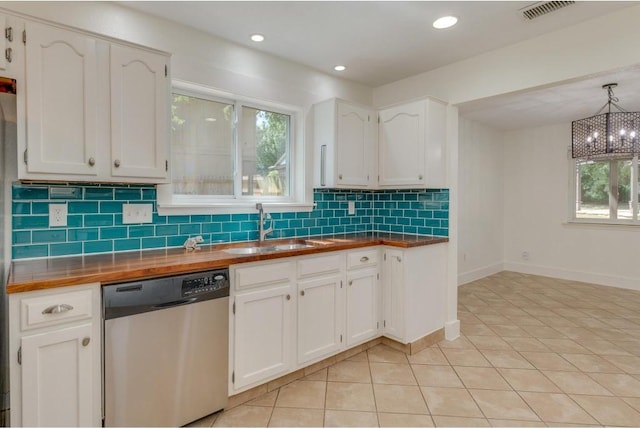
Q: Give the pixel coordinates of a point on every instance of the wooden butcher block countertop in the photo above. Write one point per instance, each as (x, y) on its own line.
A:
(40, 274)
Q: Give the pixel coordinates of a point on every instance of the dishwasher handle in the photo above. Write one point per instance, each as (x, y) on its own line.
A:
(175, 303)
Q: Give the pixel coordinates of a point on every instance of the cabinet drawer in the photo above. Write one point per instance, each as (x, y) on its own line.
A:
(360, 259)
(55, 309)
(254, 276)
(320, 265)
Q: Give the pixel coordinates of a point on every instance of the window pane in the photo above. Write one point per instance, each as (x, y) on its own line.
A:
(265, 153)
(625, 203)
(592, 189)
(201, 146)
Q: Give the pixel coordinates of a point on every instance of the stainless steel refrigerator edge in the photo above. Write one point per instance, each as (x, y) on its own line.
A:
(8, 137)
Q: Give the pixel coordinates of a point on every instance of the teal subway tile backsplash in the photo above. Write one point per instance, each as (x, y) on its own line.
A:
(94, 223)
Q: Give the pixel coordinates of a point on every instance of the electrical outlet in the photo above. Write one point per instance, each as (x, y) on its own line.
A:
(57, 215)
(352, 207)
(137, 213)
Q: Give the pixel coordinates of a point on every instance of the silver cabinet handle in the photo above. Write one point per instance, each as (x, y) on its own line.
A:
(92, 161)
(288, 296)
(86, 341)
(340, 176)
(8, 33)
(399, 259)
(57, 309)
(350, 282)
(323, 165)
(8, 54)
(364, 259)
(116, 163)
(420, 177)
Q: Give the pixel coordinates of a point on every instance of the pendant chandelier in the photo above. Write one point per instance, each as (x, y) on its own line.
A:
(607, 135)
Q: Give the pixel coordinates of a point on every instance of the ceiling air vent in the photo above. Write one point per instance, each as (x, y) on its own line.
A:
(542, 8)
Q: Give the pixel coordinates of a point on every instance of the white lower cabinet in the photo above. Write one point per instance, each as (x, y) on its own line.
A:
(414, 291)
(291, 314)
(363, 313)
(57, 378)
(55, 348)
(263, 311)
(320, 308)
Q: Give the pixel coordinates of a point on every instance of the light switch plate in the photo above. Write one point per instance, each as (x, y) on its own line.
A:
(352, 207)
(57, 215)
(137, 213)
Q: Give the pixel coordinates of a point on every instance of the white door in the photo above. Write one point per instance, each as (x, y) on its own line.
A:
(61, 101)
(263, 328)
(362, 305)
(320, 303)
(139, 113)
(402, 145)
(355, 145)
(393, 294)
(57, 378)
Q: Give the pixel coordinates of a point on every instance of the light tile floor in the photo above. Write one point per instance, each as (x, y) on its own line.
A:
(534, 351)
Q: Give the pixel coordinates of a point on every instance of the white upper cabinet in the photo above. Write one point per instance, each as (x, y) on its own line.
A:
(345, 145)
(139, 108)
(406, 148)
(95, 110)
(402, 137)
(412, 141)
(61, 93)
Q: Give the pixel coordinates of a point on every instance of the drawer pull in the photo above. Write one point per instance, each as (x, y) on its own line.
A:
(350, 283)
(57, 309)
(288, 296)
(85, 341)
(364, 259)
(302, 293)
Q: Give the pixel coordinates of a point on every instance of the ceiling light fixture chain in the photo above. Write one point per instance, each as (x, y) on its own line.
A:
(608, 134)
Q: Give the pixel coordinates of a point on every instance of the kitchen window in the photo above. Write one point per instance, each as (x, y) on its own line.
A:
(228, 153)
(605, 191)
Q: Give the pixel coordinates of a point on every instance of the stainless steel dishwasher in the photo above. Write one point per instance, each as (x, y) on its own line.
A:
(166, 349)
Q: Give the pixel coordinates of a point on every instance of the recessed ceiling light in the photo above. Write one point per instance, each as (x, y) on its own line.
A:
(257, 37)
(445, 22)
(340, 68)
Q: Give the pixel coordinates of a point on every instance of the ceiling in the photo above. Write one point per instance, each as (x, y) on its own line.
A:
(385, 41)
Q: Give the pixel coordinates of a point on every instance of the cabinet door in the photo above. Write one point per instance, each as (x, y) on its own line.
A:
(57, 378)
(139, 113)
(263, 328)
(61, 101)
(362, 305)
(355, 145)
(320, 305)
(402, 145)
(393, 294)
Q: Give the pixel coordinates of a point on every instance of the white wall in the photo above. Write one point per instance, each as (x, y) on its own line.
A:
(480, 213)
(536, 193)
(594, 46)
(199, 57)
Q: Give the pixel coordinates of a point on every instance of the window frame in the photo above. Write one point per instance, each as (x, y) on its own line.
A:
(573, 195)
(300, 194)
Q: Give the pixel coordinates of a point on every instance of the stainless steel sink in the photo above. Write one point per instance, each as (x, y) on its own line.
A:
(285, 247)
(249, 250)
(260, 250)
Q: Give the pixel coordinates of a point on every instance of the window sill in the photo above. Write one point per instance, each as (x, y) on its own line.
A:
(231, 208)
(591, 224)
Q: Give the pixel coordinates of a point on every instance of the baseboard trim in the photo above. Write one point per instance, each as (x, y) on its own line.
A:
(474, 275)
(417, 345)
(452, 330)
(572, 275)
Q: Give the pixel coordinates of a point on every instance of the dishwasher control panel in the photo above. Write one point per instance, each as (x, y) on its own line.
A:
(211, 281)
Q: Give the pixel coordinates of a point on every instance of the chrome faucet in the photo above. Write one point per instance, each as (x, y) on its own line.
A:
(262, 231)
